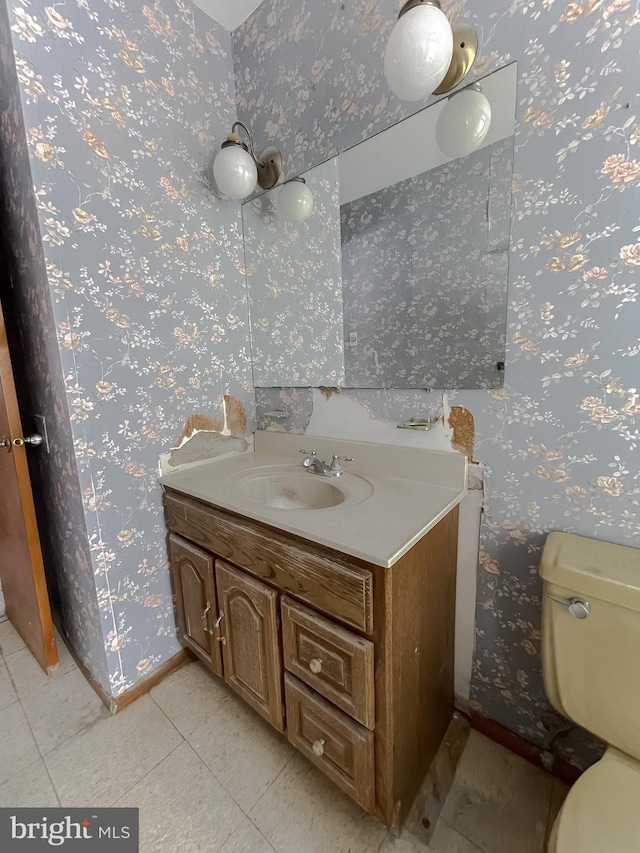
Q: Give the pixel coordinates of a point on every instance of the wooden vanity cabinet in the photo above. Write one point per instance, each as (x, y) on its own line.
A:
(196, 609)
(250, 639)
(352, 660)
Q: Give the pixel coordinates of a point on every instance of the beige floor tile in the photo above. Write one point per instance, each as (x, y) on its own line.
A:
(100, 764)
(17, 747)
(8, 694)
(10, 640)
(242, 750)
(498, 800)
(30, 788)
(445, 839)
(183, 808)
(189, 696)
(62, 708)
(247, 839)
(303, 810)
(27, 674)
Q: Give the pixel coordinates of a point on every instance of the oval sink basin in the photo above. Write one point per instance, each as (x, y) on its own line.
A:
(291, 488)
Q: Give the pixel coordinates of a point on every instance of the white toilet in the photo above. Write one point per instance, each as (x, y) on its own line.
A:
(591, 664)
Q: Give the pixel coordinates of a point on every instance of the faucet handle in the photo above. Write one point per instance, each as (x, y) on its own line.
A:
(308, 452)
(335, 462)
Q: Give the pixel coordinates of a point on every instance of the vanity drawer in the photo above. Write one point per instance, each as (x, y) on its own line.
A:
(342, 749)
(330, 659)
(339, 588)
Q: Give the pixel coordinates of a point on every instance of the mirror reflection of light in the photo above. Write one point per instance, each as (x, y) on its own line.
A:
(295, 201)
(464, 122)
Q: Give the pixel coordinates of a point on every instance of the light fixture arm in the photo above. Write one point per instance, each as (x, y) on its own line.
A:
(251, 148)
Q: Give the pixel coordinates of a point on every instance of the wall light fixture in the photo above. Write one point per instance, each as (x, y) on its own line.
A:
(238, 171)
(424, 54)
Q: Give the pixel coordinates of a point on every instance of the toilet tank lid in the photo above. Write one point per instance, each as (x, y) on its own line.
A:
(593, 568)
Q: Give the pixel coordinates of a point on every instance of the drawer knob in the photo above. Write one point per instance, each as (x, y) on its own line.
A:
(318, 746)
(315, 665)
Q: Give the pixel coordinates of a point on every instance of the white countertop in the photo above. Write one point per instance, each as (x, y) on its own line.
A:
(413, 489)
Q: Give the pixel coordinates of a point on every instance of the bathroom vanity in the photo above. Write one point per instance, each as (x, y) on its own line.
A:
(330, 612)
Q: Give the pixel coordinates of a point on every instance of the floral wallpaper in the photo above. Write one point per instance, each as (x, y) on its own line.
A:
(124, 104)
(28, 311)
(425, 267)
(560, 438)
(294, 283)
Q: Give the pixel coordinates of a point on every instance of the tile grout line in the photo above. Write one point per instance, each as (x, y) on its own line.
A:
(245, 812)
(466, 837)
(188, 742)
(87, 729)
(44, 763)
(273, 781)
(142, 778)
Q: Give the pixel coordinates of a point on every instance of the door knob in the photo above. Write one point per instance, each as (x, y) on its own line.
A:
(315, 665)
(5, 442)
(34, 440)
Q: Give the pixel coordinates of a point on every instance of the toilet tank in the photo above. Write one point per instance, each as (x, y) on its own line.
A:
(591, 665)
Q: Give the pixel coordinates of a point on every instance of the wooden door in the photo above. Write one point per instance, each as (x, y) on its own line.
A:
(194, 587)
(21, 567)
(251, 645)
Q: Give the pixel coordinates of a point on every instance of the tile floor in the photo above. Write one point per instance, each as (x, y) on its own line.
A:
(208, 775)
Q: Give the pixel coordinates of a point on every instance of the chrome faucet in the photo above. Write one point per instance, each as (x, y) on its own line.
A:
(319, 466)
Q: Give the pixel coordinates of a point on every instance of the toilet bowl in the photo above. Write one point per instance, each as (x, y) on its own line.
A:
(602, 812)
(591, 666)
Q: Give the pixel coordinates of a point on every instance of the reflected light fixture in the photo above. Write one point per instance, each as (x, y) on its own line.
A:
(295, 201)
(464, 122)
(424, 55)
(238, 171)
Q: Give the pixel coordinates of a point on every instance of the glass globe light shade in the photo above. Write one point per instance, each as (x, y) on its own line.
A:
(235, 172)
(418, 53)
(295, 201)
(463, 123)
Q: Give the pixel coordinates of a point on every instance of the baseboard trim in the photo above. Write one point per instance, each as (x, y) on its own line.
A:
(534, 755)
(119, 703)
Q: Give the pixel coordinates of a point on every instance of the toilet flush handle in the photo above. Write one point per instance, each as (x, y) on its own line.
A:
(576, 607)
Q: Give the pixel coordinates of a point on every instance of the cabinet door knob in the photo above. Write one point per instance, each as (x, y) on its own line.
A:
(318, 746)
(315, 665)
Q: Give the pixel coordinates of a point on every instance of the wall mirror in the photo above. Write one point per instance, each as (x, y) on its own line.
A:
(398, 276)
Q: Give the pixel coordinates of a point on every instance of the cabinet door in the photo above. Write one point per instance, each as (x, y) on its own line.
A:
(250, 641)
(194, 586)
